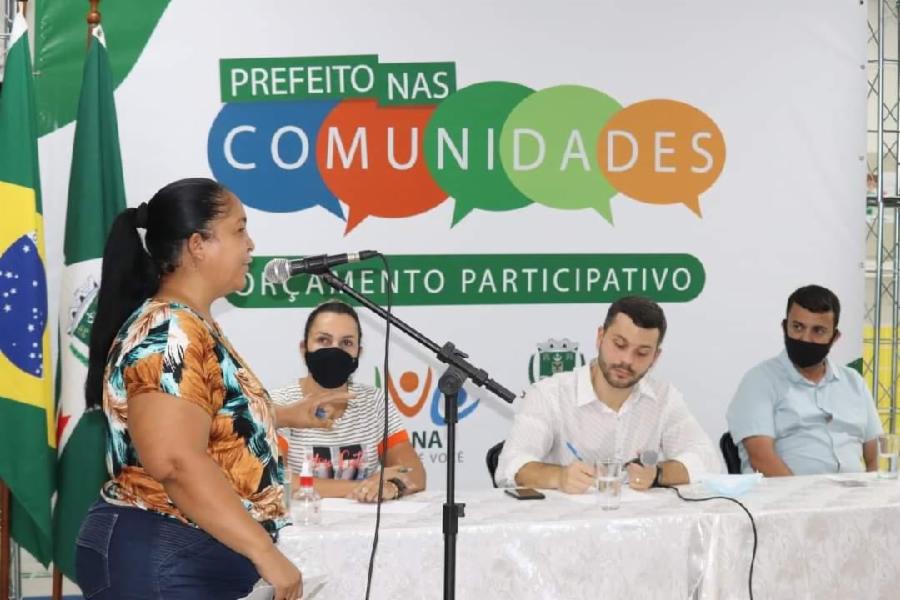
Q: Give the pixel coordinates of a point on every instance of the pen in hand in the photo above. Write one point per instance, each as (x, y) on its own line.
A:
(574, 451)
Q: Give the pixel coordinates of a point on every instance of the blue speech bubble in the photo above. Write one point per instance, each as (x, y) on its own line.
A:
(265, 152)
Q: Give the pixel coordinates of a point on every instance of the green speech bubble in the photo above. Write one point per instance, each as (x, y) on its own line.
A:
(462, 147)
(549, 148)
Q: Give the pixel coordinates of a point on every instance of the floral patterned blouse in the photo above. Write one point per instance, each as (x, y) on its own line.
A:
(167, 347)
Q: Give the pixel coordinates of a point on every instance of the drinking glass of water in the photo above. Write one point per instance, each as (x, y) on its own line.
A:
(609, 482)
(888, 448)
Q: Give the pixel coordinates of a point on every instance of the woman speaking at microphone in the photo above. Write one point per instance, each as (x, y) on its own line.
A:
(194, 502)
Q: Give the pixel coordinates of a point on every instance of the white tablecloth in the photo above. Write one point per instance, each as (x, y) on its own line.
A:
(818, 539)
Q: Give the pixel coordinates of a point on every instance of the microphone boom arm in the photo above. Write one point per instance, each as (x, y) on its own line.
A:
(448, 353)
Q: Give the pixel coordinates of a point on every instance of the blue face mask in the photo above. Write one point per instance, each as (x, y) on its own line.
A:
(732, 486)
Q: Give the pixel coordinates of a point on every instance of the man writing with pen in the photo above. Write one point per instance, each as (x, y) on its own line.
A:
(608, 409)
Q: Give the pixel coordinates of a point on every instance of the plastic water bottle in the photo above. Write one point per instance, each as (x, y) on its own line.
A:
(306, 507)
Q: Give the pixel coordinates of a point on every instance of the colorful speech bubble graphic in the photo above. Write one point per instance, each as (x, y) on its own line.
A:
(265, 153)
(662, 152)
(462, 147)
(549, 150)
(371, 157)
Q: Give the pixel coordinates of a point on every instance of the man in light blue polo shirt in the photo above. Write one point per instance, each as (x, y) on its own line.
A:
(799, 413)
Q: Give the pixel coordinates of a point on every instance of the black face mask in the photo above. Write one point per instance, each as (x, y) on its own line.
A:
(805, 354)
(330, 367)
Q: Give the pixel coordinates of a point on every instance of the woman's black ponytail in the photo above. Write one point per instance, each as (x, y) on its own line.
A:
(128, 278)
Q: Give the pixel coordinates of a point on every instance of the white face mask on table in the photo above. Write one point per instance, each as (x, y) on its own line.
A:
(732, 486)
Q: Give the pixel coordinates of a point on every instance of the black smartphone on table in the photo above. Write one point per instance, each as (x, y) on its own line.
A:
(524, 494)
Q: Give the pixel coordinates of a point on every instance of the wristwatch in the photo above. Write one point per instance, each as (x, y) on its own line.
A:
(401, 487)
(657, 481)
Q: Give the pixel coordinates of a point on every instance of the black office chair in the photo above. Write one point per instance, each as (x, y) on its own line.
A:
(492, 457)
(730, 453)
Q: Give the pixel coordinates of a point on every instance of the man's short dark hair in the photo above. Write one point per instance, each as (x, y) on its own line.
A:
(645, 313)
(817, 299)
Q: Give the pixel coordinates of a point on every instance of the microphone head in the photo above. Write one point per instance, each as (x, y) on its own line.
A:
(278, 270)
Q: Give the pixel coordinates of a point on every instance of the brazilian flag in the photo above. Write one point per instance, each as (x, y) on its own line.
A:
(27, 428)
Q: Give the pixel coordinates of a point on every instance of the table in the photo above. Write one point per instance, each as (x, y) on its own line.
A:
(818, 539)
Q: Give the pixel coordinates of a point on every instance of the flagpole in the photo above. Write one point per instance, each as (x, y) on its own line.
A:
(93, 18)
(57, 584)
(10, 557)
(4, 538)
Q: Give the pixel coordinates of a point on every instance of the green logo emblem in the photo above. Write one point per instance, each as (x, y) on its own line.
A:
(554, 356)
(81, 318)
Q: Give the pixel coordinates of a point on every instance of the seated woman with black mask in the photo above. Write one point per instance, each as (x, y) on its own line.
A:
(345, 458)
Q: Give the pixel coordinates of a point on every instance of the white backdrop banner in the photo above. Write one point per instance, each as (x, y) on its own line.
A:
(522, 166)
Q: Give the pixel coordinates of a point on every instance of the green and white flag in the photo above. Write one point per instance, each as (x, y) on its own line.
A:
(96, 196)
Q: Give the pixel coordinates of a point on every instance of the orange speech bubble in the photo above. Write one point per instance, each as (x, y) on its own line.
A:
(371, 157)
(662, 152)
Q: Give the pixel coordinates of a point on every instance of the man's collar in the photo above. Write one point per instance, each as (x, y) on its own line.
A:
(831, 373)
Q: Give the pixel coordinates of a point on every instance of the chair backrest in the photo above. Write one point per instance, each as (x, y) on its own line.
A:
(492, 457)
(730, 453)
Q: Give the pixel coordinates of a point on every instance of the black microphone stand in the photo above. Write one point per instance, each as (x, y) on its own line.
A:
(452, 380)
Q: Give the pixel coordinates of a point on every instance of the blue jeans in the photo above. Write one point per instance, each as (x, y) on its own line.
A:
(133, 554)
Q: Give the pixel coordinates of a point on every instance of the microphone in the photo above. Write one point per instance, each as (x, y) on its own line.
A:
(279, 270)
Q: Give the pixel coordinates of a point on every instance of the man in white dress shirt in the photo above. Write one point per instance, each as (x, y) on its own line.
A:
(608, 409)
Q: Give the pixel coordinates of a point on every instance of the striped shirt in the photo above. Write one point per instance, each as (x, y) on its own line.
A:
(351, 448)
(564, 409)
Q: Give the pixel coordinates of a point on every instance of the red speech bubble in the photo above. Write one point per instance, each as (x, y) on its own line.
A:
(372, 158)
